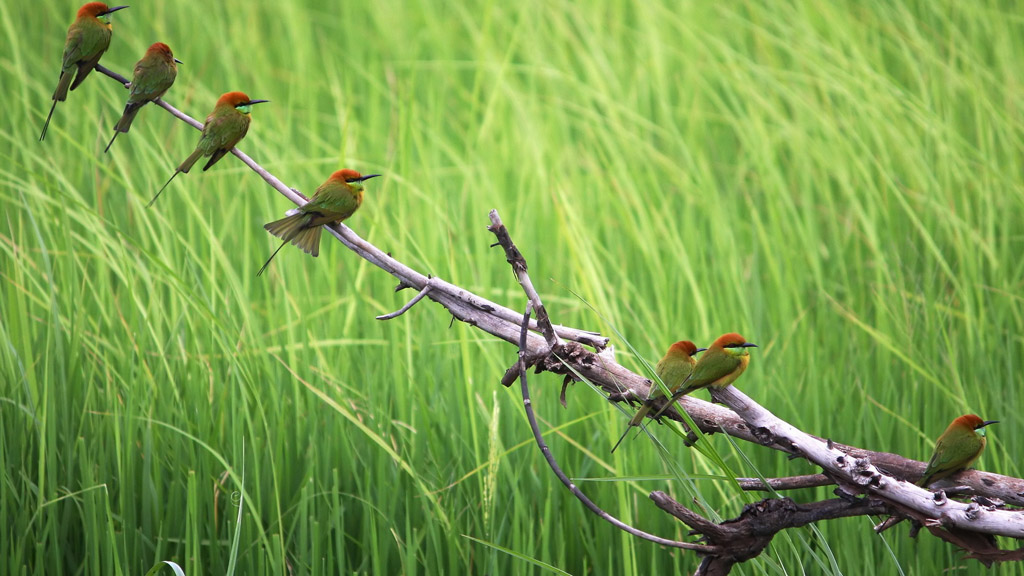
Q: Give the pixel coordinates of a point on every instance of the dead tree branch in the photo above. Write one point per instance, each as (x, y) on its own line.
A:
(519, 268)
(969, 525)
(867, 482)
(745, 537)
(859, 476)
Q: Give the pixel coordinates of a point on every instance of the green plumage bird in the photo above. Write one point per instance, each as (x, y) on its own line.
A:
(88, 38)
(224, 127)
(153, 76)
(673, 369)
(957, 448)
(719, 366)
(335, 200)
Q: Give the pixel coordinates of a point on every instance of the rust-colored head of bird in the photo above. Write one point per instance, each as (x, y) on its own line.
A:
(973, 422)
(351, 177)
(685, 347)
(159, 49)
(92, 10)
(97, 10)
(237, 100)
(232, 99)
(732, 341)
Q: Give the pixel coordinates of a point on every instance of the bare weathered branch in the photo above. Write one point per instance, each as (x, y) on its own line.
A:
(745, 537)
(519, 268)
(859, 475)
(878, 475)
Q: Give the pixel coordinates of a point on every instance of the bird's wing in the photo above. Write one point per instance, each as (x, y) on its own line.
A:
(223, 132)
(73, 47)
(935, 463)
(711, 367)
(674, 371)
(940, 462)
(331, 203)
(946, 458)
(150, 81)
(85, 43)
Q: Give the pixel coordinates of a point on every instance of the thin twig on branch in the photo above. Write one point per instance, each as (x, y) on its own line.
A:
(419, 296)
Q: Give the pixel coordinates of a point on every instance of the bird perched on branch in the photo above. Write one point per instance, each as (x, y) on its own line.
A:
(153, 75)
(957, 448)
(88, 38)
(335, 200)
(719, 366)
(673, 369)
(224, 128)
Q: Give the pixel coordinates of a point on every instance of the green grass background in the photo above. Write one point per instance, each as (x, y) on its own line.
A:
(839, 181)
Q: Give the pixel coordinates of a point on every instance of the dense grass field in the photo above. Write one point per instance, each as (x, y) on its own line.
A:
(840, 182)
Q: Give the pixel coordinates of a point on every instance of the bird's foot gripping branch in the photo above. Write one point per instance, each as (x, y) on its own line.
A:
(866, 482)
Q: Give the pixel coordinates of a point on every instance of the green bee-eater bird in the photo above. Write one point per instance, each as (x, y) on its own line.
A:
(335, 200)
(88, 38)
(673, 369)
(154, 74)
(957, 448)
(719, 366)
(224, 128)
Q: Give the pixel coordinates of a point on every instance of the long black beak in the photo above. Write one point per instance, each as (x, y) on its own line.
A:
(701, 350)
(251, 102)
(367, 177)
(986, 423)
(748, 345)
(178, 61)
(111, 10)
